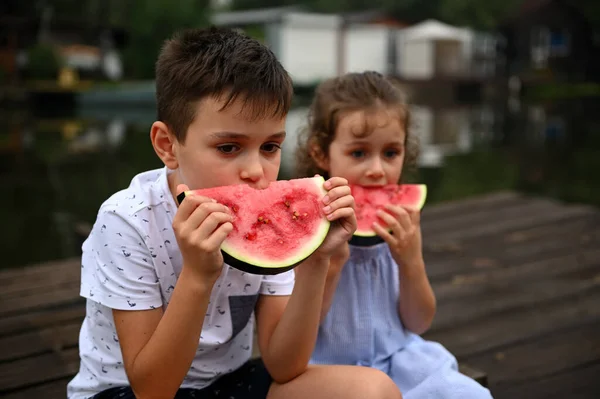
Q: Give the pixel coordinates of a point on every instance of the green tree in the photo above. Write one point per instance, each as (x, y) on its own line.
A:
(476, 13)
(153, 21)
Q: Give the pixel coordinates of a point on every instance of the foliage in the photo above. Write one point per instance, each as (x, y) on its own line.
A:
(474, 173)
(550, 91)
(43, 62)
(147, 24)
(151, 23)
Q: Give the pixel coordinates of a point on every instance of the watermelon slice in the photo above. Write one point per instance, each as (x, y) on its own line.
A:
(369, 200)
(274, 229)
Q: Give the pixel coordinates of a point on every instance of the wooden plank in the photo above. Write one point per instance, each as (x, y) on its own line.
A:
(38, 271)
(51, 339)
(478, 375)
(52, 390)
(38, 319)
(483, 253)
(495, 299)
(543, 357)
(41, 300)
(470, 217)
(576, 383)
(583, 224)
(520, 217)
(522, 324)
(47, 367)
(26, 295)
(53, 279)
(512, 276)
(491, 201)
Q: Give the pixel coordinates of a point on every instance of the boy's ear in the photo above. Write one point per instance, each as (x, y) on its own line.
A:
(164, 143)
(321, 159)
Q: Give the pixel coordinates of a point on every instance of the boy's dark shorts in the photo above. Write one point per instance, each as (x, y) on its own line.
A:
(251, 381)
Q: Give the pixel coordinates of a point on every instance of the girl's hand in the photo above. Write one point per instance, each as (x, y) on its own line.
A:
(405, 236)
(338, 206)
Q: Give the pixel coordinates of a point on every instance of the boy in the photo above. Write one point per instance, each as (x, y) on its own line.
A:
(165, 317)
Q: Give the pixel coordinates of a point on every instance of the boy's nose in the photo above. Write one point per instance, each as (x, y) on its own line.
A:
(252, 173)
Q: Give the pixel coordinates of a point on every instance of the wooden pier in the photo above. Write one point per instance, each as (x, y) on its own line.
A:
(517, 281)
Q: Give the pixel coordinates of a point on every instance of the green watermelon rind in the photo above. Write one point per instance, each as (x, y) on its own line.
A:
(369, 237)
(246, 263)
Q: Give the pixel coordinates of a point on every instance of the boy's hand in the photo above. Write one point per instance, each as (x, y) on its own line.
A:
(201, 225)
(405, 238)
(338, 206)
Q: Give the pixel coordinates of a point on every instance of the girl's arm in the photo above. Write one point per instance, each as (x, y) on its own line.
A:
(417, 303)
(333, 277)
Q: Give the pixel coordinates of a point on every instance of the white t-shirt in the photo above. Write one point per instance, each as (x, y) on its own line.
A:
(131, 261)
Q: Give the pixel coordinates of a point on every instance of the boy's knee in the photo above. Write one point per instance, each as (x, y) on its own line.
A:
(378, 385)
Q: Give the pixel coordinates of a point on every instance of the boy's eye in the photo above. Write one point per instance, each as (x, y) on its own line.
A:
(271, 147)
(357, 153)
(228, 148)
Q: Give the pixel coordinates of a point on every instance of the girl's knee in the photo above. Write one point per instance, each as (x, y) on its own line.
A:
(378, 385)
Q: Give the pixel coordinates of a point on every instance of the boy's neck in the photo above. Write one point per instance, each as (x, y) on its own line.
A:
(174, 180)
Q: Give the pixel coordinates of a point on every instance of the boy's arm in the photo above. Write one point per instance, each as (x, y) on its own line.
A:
(286, 338)
(158, 349)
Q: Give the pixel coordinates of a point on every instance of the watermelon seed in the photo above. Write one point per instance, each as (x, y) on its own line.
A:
(266, 221)
(235, 208)
(287, 203)
(260, 218)
(296, 214)
(280, 241)
(304, 214)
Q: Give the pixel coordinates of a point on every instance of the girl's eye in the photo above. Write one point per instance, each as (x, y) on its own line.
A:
(391, 153)
(228, 148)
(271, 147)
(357, 153)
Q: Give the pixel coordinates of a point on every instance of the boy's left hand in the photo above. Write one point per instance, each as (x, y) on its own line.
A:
(405, 236)
(338, 206)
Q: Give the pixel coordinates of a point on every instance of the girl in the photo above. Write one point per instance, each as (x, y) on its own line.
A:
(358, 130)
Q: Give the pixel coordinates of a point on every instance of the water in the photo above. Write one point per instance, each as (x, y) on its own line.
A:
(57, 169)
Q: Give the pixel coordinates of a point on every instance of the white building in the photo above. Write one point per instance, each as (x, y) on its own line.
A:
(433, 49)
(315, 46)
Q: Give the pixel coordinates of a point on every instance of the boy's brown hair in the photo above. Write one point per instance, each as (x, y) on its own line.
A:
(220, 62)
(368, 91)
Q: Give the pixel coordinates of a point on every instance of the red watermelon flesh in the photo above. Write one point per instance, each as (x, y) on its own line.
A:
(275, 228)
(369, 200)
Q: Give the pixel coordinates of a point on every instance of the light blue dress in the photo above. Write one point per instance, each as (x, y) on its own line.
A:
(363, 328)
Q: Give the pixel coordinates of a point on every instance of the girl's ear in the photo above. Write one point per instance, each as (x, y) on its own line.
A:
(321, 159)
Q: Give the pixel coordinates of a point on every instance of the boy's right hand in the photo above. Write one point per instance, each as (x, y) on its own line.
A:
(201, 225)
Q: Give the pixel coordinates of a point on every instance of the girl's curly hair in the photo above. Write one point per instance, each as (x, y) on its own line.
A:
(366, 91)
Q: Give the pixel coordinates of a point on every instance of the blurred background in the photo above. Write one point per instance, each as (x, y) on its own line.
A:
(505, 96)
(504, 93)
